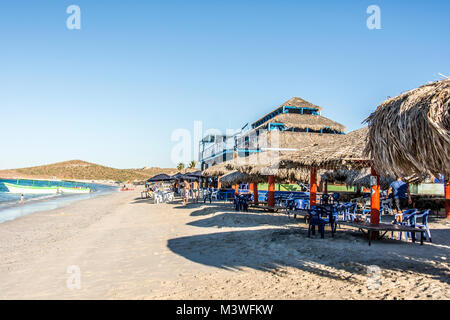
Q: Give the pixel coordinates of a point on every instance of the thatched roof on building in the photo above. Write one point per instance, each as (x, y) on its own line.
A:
(411, 132)
(339, 151)
(300, 103)
(289, 141)
(294, 102)
(322, 150)
(282, 139)
(304, 121)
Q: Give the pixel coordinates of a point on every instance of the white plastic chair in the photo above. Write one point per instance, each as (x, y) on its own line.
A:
(158, 197)
(214, 195)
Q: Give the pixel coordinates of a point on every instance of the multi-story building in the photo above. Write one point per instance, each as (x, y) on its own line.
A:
(284, 129)
(215, 149)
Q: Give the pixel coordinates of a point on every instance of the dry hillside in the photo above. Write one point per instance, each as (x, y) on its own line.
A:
(81, 170)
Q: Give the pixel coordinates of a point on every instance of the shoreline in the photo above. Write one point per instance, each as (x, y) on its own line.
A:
(99, 182)
(14, 209)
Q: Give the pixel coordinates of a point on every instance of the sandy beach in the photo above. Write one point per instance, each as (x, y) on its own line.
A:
(127, 248)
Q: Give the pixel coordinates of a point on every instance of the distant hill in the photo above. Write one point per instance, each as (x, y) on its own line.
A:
(82, 170)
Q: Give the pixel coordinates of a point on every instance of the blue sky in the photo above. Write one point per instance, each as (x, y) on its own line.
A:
(114, 91)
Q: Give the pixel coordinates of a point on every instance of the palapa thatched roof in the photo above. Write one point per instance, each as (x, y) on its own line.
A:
(336, 176)
(411, 132)
(361, 178)
(216, 170)
(355, 178)
(236, 177)
(304, 121)
(301, 103)
(289, 141)
(260, 165)
(338, 151)
(294, 102)
(267, 140)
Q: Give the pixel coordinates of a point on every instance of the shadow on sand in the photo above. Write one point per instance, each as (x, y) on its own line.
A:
(271, 248)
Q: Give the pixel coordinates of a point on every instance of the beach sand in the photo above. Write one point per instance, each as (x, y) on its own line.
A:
(127, 248)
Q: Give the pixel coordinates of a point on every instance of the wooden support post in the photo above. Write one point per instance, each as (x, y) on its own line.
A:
(326, 187)
(271, 192)
(447, 198)
(254, 190)
(236, 189)
(375, 197)
(219, 184)
(313, 187)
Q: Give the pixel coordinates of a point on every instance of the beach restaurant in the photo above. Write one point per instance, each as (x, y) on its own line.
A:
(406, 135)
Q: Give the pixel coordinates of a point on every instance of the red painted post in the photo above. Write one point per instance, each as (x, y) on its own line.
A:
(236, 189)
(313, 187)
(271, 191)
(326, 187)
(447, 198)
(375, 197)
(251, 187)
(255, 192)
(219, 184)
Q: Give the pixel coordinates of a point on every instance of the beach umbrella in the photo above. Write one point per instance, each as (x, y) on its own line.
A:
(196, 174)
(187, 177)
(160, 177)
(177, 175)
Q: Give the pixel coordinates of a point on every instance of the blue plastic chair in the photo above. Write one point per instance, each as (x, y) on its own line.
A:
(407, 220)
(320, 217)
(293, 204)
(241, 202)
(325, 198)
(424, 225)
(316, 220)
(335, 198)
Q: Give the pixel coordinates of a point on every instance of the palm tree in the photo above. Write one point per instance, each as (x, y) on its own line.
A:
(192, 164)
(180, 166)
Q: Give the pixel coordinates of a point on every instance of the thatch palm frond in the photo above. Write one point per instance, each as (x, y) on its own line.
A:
(410, 134)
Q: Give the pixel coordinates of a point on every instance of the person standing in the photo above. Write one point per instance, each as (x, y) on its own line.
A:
(177, 187)
(187, 191)
(195, 190)
(401, 196)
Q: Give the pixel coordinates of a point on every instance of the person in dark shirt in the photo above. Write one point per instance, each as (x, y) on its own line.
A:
(400, 194)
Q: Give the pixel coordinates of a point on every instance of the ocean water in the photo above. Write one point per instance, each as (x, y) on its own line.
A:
(11, 208)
